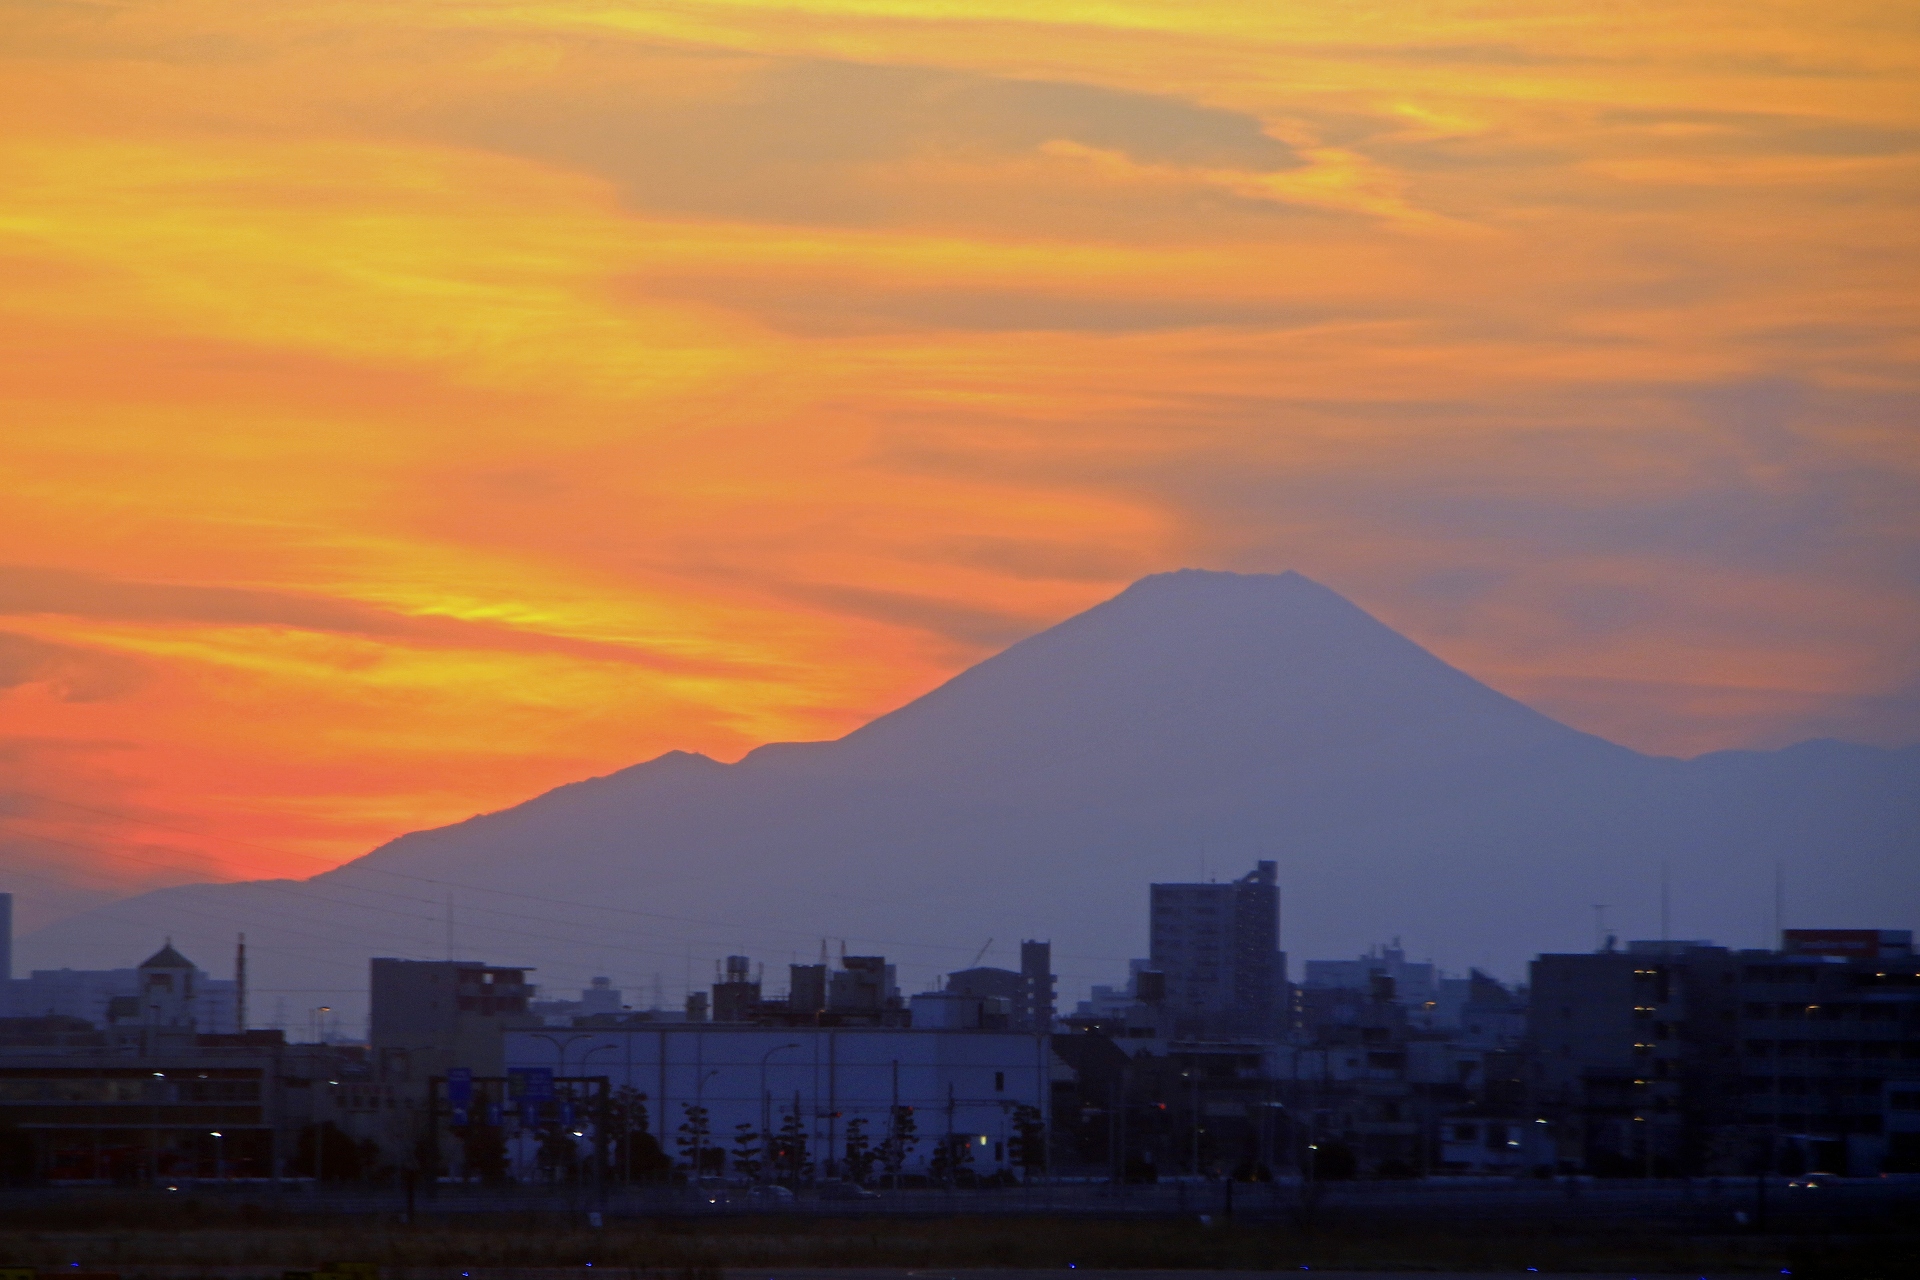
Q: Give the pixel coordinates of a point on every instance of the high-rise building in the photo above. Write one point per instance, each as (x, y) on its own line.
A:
(1219, 947)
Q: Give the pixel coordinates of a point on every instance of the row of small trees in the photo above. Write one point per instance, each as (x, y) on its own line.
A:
(635, 1154)
(784, 1154)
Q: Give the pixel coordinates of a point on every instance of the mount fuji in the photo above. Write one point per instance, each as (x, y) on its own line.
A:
(1192, 724)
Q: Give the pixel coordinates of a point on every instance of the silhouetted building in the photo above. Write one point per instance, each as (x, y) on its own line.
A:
(111, 996)
(1219, 947)
(1680, 1057)
(1633, 1051)
(1849, 944)
(1414, 983)
(861, 992)
(430, 1015)
(1829, 1039)
(1028, 992)
(736, 996)
(83, 1103)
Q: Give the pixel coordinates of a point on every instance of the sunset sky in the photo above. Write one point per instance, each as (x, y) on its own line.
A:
(407, 407)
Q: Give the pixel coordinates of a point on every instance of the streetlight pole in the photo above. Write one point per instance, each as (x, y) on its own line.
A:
(766, 1111)
(560, 1048)
(699, 1136)
(220, 1156)
(599, 1123)
(1193, 1082)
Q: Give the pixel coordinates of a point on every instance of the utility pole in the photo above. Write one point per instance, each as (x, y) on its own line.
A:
(1666, 894)
(240, 986)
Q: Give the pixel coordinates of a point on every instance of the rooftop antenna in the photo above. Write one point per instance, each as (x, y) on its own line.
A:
(980, 954)
(1666, 886)
(1779, 908)
(1599, 925)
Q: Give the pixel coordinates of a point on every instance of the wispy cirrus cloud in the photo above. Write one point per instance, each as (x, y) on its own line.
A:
(414, 406)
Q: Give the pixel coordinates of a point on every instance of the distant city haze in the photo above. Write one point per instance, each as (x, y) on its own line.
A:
(1197, 723)
(406, 409)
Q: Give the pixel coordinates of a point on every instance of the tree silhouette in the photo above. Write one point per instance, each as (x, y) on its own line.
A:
(902, 1137)
(559, 1155)
(789, 1152)
(859, 1154)
(637, 1156)
(746, 1150)
(1027, 1148)
(952, 1156)
(695, 1144)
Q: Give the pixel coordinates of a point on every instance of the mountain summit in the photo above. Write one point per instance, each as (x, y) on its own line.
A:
(1185, 728)
(1206, 668)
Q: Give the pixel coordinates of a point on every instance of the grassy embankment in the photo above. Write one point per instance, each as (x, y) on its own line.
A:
(128, 1235)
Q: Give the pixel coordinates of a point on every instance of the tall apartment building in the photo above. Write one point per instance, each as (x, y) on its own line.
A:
(1219, 947)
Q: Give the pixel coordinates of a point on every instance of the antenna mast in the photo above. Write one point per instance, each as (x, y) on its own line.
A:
(1666, 885)
(1779, 908)
(240, 985)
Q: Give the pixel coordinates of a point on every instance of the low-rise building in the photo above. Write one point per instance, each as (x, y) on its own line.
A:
(801, 1101)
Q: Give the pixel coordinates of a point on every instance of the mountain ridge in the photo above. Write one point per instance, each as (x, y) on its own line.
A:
(1196, 718)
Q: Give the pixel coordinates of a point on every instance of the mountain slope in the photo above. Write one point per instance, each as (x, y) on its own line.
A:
(1190, 725)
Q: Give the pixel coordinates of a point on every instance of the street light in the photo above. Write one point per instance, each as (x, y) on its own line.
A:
(766, 1110)
(699, 1138)
(220, 1156)
(560, 1047)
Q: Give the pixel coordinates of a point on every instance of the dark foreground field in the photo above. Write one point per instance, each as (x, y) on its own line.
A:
(232, 1235)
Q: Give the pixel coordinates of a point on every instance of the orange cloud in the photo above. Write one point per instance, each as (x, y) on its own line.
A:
(410, 407)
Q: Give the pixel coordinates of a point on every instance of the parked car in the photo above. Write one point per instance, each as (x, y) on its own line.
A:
(770, 1193)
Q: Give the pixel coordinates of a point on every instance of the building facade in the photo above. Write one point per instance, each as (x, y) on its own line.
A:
(714, 1090)
(1219, 947)
(428, 1016)
(1829, 1040)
